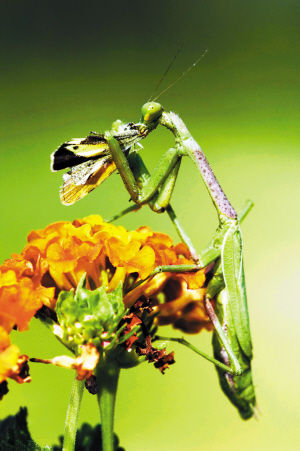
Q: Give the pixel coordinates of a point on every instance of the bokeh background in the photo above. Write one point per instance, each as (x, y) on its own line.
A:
(69, 67)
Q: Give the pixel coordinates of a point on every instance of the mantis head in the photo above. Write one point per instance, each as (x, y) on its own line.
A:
(150, 112)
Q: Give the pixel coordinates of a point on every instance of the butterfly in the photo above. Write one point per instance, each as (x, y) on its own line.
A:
(90, 161)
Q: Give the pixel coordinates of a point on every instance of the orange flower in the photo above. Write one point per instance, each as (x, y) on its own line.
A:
(182, 307)
(9, 355)
(56, 258)
(68, 250)
(12, 365)
(20, 297)
(183, 297)
(167, 254)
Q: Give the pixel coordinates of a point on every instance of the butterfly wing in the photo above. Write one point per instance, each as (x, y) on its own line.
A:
(90, 161)
(85, 177)
(79, 150)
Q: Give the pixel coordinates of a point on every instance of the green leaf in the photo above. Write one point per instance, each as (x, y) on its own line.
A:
(89, 439)
(15, 436)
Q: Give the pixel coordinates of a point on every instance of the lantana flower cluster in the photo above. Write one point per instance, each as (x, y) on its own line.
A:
(56, 258)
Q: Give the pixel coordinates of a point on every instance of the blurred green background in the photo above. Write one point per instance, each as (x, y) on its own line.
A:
(70, 67)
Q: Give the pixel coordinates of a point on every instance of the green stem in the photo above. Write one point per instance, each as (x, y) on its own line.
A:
(107, 376)
(73, 415)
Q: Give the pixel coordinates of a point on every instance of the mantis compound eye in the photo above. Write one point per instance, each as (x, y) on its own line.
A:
(151, 111)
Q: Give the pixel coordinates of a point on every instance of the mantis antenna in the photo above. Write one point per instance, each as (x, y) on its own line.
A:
(185, 72)
(180, 47)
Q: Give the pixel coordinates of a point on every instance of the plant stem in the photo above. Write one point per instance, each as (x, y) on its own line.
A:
(73, 415)
(107, 376)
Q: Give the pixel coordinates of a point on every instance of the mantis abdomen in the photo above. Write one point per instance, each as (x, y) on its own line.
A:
(238, 389)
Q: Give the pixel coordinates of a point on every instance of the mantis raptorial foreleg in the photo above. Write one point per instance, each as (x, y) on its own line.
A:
(142, 195)
(157, 188)
(164, 189)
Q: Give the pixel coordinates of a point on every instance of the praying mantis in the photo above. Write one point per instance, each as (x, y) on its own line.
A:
(93, 158)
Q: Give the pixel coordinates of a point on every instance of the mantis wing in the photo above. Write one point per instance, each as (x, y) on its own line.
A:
(233, 272)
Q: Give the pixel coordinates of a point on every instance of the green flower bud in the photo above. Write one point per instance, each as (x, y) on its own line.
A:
(89, 315)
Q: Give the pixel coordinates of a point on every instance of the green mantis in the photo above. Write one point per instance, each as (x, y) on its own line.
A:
(231, 340)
